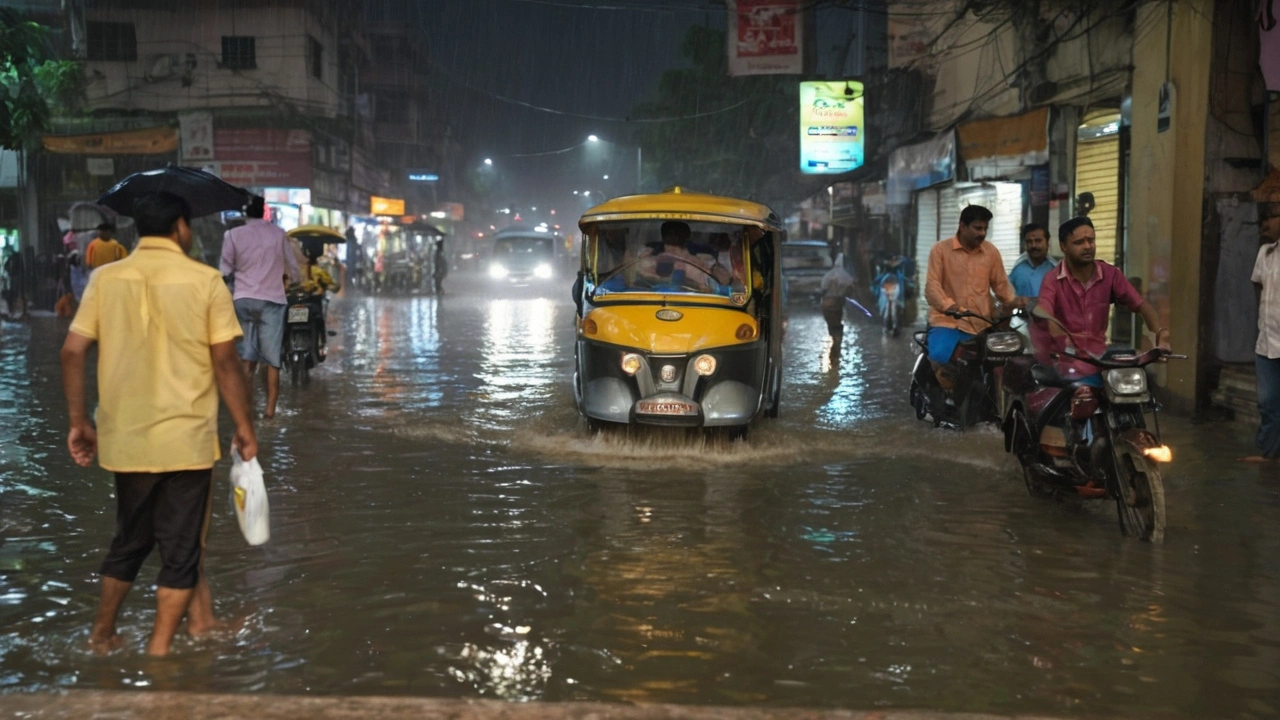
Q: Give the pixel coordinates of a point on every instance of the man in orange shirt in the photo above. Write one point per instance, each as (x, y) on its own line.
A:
(104, 249)
(963, 272)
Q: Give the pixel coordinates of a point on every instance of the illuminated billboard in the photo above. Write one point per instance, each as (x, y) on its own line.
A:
(385, 206)
(832, 135)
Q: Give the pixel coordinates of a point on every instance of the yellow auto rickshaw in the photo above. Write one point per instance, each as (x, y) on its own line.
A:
(679, 311)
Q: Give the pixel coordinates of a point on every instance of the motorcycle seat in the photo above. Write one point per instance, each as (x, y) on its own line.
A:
(1048, 376)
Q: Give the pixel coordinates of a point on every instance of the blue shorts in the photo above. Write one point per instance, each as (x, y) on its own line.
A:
(262, 322)
(943, 342)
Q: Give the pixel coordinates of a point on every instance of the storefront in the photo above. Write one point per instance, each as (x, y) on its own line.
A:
(1097, 181)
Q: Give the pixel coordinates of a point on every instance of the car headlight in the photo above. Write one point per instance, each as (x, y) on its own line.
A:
(1127, 381)
(1004, 342)
(497, 271)
(631, 363)
(704, 365)
(542, 271)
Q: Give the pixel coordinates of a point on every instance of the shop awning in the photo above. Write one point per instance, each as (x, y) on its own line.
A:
(997, 147)
(151, 141)
(915, 167)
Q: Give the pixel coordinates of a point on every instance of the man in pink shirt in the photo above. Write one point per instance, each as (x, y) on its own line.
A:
(1079, 294)
(257, 256)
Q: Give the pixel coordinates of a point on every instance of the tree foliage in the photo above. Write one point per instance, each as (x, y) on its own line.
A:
(749, 151)
(34, 85)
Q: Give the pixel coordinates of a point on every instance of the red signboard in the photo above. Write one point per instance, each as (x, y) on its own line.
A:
(765, 37)
(261, 157)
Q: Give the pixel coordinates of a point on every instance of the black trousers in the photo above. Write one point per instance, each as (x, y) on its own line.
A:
(168, 510)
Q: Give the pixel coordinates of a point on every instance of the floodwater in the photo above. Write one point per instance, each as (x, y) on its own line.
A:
(443, 525)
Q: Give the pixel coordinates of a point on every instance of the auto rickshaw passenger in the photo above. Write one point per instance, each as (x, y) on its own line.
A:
(675, 265)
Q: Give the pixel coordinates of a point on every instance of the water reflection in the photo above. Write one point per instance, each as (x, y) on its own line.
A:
(443, 525)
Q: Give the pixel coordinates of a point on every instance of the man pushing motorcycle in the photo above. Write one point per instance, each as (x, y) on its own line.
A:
(1079, 295)
(963, 272)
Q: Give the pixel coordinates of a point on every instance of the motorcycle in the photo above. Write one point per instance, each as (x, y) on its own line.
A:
(976, 366)
(1074, 439)
(304, 345)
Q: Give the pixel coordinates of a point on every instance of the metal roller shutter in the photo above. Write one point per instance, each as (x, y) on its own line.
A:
(948, 211)
(926, 231)
(1006, 223)
(1098, 172)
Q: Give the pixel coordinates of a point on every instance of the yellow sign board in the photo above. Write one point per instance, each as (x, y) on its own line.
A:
(385, 206)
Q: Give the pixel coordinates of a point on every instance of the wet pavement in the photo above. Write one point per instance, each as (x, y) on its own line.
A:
(443, 526)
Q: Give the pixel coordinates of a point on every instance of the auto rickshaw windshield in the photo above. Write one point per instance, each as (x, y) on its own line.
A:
(648, 256)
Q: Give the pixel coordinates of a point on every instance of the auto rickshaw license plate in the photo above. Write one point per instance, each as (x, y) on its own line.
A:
(666, 407)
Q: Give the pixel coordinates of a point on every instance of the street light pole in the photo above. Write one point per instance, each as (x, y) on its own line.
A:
(639, 168)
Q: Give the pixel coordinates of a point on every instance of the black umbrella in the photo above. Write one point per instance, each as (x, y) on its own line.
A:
(204, 192)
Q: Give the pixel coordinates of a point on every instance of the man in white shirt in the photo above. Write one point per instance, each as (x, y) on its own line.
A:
(1266, 275)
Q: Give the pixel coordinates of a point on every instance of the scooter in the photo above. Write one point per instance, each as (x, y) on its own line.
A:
(1074, 439)
(304, 345)
(976, 366)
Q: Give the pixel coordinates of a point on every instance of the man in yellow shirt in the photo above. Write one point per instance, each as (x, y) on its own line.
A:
(104, 249)
(166, 332)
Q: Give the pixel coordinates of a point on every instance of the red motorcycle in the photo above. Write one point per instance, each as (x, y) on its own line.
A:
(1075, 438)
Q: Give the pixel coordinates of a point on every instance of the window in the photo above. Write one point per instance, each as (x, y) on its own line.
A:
(315, 57)
(391, 109)
(112, 41)
(239, 52)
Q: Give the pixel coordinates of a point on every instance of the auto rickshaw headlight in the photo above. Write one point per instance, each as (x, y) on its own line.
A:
(631, 363)
(704, 365)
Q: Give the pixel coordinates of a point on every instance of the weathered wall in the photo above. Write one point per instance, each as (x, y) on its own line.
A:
(1167, 174)
(282, 72)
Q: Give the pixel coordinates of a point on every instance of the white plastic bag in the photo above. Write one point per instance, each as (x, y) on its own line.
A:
(249, 499)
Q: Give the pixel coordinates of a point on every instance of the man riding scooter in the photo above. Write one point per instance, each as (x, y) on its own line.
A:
(963, 272)
(316, 281)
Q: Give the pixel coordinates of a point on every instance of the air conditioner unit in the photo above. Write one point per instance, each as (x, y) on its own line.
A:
(163, 66)
(170, 64)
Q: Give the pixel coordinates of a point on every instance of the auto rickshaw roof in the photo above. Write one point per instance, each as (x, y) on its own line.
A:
(676, 203)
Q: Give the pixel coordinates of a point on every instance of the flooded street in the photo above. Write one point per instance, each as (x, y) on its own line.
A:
(444, 525)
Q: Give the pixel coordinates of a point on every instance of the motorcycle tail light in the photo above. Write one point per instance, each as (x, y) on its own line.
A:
(1084, 402)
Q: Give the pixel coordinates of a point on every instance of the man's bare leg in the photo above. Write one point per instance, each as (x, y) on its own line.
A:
(200, 618)
(273, 390)
(171, 606)
(103, 637)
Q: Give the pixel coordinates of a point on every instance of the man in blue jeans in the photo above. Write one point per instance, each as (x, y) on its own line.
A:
(257, 256)
(1266, 275)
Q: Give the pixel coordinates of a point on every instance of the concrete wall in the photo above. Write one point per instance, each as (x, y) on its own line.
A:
(196, 28)
(1167, 185)
(1004, 64)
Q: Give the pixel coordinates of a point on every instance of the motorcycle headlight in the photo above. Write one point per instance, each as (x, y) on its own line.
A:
(497, 271)
(542, 271)
(1127, 381)
(1004, 342)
